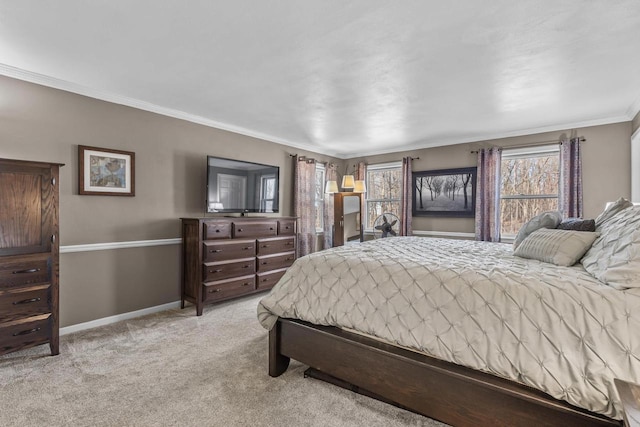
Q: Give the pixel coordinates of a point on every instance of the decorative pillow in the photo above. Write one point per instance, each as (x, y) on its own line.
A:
(559, 247)
(611, 210)
(577, 224)
(614, 257)
(549, 219)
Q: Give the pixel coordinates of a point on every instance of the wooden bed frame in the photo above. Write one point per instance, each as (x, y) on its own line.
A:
(441, 390)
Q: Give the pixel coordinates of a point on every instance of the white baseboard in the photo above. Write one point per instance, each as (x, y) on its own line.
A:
(89, 247)
(117, 318)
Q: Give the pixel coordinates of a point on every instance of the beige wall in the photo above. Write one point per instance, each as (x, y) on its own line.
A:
(636, 123)
(39, 123)
(606, 167)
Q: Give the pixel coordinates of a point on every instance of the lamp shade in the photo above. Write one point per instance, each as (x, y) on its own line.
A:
(348, 181)
(359, 187)
(331, 187)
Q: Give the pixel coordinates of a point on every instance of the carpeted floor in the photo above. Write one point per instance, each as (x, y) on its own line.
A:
(176, 369)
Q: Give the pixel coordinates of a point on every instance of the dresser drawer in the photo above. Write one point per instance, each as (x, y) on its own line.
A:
(286, 227)
(24, 302)
(24, 272)
(255, 228)
(223, 250)
(268, 246)
(224, 289)
(216, 230)
(25, 333)
(274, 262)
(269, 279)
(213, 271)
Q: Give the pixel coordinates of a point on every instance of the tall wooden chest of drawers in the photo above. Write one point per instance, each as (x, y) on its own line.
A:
(28, 255)
(224, 258)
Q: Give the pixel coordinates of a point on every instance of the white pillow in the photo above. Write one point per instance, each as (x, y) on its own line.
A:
(611, 210)
(559, 247)
(549, 219)
(614, 257)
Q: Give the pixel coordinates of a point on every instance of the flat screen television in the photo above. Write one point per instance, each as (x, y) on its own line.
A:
(236, 186)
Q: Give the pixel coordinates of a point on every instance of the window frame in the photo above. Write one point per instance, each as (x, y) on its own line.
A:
(372, 168)
(523, 153)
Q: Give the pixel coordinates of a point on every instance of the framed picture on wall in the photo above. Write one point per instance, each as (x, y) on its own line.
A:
(445, 192)
(105, 172)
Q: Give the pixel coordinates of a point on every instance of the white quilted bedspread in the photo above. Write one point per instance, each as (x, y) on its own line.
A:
(557, 329)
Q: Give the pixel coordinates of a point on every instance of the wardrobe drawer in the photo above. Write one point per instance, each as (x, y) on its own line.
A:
(24, 272)
(274, 262)
(269, 279)
(224, 289)
(16, 303)
(25, 333)
(213, 271)
(268, 246)
(222, 250)
(255, 228)
(216, 230)
(286, 227)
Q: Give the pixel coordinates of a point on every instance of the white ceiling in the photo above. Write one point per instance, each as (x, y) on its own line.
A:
(340, 77)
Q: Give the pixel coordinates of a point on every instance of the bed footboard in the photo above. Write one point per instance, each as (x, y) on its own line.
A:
(444, 391)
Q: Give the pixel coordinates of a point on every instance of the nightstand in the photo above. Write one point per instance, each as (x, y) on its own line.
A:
(630, 397)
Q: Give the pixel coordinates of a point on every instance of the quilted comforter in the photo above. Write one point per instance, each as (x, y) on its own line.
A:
(557, 329)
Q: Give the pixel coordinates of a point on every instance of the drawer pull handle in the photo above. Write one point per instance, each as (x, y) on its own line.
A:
(245, 284)
(215, 251)
(213, 291)
(27, 301)
(289, 259)
(247, 248)
(239, 229)
(215, 271)
(289, 243)
(265, 280)
(30, 270)
(28, 331)
(270, 228)
(265, 246)
(246, 266)
(264, 263)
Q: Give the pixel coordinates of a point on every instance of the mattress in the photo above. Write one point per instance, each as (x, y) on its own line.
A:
(557, 329)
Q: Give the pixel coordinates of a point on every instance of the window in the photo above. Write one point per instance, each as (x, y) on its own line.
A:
(384, 189)
(528, 186)
(320, 170)
(267, 192)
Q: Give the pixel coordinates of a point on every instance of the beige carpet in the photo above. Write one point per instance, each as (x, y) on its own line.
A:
(176, 369)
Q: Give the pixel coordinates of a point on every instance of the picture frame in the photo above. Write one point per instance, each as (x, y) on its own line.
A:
(445, 192)
(105, 172)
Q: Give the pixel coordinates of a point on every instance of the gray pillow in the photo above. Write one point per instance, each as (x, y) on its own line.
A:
(549, 219)
(559, 247)
(611, 210)
(577, 224)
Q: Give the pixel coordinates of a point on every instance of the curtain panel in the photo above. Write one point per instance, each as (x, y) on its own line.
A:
(304, 203)
(407, 198)
(488, 195)
(330, 174)
(570, 197)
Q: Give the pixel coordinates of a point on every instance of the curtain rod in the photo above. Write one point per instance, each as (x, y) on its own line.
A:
(532, 144)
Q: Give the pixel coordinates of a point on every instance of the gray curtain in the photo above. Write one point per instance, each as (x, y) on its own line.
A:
(304, 191)
(361, 175)
(570, 203)
(406, 214)
(488, 195)
(330, 174)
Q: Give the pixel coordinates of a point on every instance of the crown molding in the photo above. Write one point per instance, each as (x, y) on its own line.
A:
(52, 82)
(102, 95)
(502, 135)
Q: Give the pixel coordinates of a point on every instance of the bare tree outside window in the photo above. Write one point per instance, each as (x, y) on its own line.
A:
(528, 187)
(384, 189)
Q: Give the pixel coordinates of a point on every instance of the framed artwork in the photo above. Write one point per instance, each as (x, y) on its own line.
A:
(445, 192)
(105, 172)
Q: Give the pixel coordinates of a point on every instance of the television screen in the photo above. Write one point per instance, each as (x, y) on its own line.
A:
(237, 186)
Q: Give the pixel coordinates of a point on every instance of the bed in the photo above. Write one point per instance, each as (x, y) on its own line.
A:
(461, 331)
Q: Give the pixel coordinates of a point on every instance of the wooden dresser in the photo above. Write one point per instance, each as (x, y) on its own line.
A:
(224, 258)
(28, 255)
